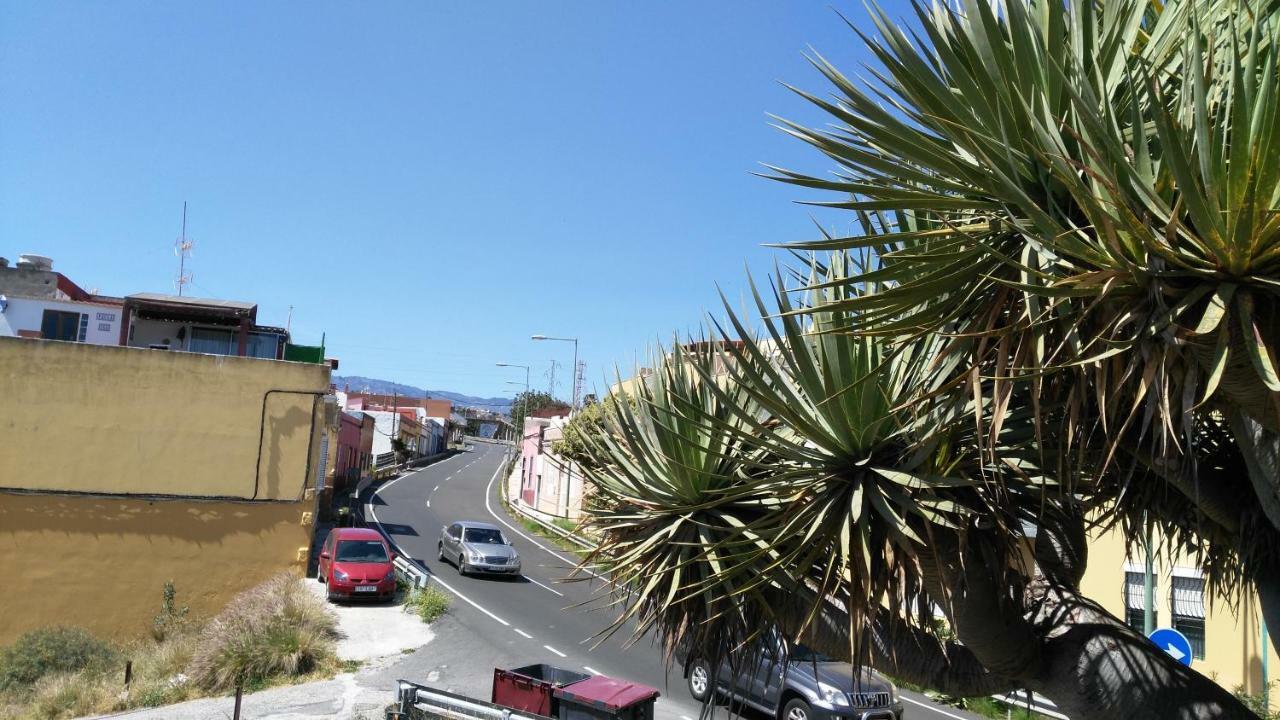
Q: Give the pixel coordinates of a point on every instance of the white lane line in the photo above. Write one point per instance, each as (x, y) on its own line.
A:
(544, 587)
(435, 488)
(685, 717)
(928, 706)
(555, 651)
(434, 578)
(593, 671)
(523, 634)
(428, 503)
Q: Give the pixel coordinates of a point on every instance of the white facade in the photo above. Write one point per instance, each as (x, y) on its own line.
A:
(98, 324)
(385, 426)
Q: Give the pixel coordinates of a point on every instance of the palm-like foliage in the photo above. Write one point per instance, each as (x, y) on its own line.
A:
(1085, 194)
(758, 481)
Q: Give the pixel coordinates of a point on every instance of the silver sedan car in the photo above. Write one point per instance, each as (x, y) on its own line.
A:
(477, 547)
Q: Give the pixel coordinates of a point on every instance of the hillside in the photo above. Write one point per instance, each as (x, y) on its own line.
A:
(359, 383)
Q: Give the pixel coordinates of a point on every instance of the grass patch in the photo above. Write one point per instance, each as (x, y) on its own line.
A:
(275, 629)
(77, 674)
(428, 603)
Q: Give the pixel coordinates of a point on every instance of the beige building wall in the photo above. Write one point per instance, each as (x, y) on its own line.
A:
(1233, 639)
(122, 468)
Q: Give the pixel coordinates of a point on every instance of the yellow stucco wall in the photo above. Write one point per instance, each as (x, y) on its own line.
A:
(92, 418)
(1232, 639)
(101, 562)
(123, 468)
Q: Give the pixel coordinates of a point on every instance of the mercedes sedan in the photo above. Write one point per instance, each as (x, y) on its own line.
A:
(477, 547)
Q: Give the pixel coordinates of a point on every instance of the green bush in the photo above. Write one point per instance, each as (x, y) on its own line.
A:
(275, 630)
(48, 651)
(428, 603)
(171, 618)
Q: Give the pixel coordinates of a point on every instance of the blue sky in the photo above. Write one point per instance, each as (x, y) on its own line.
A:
(427, 184)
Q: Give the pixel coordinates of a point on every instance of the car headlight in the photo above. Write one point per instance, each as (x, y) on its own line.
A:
(476, 557)
(340, 576)
(893, 694)
(833, 695)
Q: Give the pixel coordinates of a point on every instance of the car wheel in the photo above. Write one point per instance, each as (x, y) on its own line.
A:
(700, 680)
(462, 565)
(797, 709)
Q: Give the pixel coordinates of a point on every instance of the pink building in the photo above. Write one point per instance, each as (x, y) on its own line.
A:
(548, 484)
(355, 449)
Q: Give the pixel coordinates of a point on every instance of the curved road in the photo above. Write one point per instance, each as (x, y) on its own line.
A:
(536, 618)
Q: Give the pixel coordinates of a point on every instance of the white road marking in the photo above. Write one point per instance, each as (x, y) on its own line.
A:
(523, 634)
(544, 587)
(428, 503)
(488, 492)
(435, 488)
(555, 651)
(928, 706)
(593, 671)
(685, 717)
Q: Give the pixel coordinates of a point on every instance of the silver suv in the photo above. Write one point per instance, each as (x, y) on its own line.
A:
(797, 684)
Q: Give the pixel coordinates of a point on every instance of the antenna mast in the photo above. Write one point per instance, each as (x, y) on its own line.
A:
(182, 248)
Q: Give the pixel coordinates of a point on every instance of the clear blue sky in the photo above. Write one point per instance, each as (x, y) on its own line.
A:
(426, 183)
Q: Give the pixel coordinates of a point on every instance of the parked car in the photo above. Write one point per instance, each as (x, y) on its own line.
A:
(795, 683)
(356, 563)
(477, 547)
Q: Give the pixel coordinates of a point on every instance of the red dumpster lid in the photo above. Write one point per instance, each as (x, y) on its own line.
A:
(602, 691)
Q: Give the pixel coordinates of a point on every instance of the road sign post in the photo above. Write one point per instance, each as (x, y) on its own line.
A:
(1174, 643)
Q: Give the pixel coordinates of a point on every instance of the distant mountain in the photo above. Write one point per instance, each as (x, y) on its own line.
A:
(360, 383)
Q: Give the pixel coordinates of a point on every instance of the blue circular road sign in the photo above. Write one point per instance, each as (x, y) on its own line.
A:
(1174, 643)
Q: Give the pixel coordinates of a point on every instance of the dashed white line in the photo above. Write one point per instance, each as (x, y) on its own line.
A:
(593, 671)
(428, 503)
(544, 587)
(435, 488)
(555, 651)
(523, 634)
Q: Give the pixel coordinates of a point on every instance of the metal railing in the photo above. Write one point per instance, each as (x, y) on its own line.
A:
(419, 701)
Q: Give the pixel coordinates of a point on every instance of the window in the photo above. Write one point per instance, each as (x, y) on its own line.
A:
(485, 536)
(212, 342)
(1186, 597)
(362, 551)
(60, 325)
(1135, 601)
(262, 345)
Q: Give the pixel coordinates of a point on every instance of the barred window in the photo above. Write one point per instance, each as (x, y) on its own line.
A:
(1135, 602)
(1186, 597)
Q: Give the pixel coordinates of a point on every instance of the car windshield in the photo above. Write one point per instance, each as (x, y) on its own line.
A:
(366, 551)
(802, 653)
(484, 536)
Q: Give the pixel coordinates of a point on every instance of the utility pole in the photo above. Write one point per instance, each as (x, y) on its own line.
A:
(1148, 585)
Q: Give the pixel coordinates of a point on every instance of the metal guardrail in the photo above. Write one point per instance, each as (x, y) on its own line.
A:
(518, 507)
(410, 571)
(417, 701)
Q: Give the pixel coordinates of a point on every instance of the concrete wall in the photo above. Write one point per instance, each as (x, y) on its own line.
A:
(88, 418)
(103, 328)
(123, 468)
(1233, 641)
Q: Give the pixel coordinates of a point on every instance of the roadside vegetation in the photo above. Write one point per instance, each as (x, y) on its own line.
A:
(429, 603)
(1054, 313)
(276, 633)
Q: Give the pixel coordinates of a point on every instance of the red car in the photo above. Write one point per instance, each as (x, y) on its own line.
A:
(356, 563)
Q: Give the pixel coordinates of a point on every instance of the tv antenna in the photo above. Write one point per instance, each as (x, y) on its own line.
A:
(182, 248)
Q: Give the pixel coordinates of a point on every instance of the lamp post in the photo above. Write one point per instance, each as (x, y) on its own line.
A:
(524, 399)
(573, 340)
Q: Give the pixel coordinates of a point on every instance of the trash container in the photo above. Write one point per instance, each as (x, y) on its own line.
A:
(530, 688)
(605, 698)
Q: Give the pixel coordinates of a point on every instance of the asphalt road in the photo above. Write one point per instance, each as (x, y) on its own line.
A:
(537, 618)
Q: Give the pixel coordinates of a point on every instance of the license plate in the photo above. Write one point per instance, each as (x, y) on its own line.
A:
(366, 588)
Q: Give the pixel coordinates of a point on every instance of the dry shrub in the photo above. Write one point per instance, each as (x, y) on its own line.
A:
(72, 695)
(277, 629)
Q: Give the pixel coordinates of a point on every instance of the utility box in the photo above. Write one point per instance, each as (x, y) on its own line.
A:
(531, 688)
(604, 698)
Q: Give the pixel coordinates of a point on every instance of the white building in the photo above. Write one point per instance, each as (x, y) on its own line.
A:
(36, 302)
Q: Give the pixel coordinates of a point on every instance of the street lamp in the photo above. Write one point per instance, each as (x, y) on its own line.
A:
(573, 340)
(523, 399)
